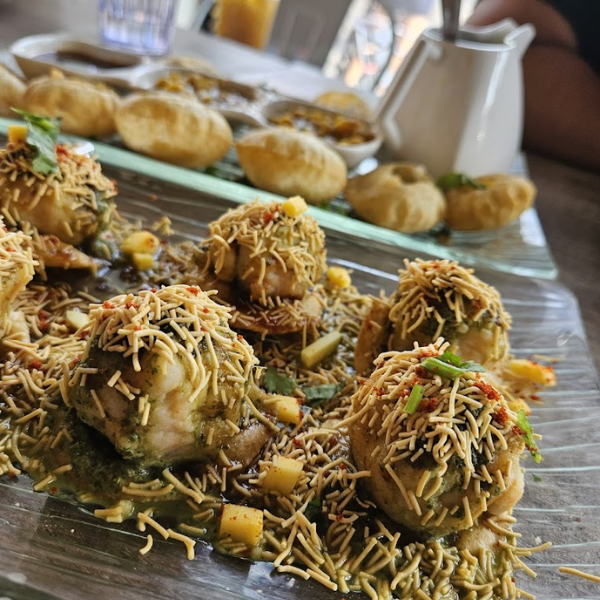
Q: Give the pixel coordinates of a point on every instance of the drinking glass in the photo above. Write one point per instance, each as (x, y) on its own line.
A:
(140, 26)
(246, 21)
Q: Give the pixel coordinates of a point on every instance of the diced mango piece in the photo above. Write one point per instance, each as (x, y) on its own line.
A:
(143, 242)
(142, 261)
(517, 404)
(320, 349)
(242, 523)
(287, 410)
(17, 133)
(533, 371)
(283, 475)
(76, 319)
(339, 277)
(294, 206)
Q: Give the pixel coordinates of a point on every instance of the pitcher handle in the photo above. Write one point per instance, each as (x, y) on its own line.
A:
(422, 51)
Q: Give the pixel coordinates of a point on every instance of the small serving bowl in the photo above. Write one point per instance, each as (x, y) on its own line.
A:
(37, 54)
(353, 153)
(235, 101)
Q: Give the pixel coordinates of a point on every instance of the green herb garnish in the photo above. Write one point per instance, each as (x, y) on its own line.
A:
(536, 478)
(42, 136)
(416, 395)
(316, 394)
(278, 384)
(313, 509)
(525, 426)
(450, 366)
(449, 181)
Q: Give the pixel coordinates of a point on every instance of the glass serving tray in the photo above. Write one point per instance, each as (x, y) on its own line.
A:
(51, 550)
(519, 248)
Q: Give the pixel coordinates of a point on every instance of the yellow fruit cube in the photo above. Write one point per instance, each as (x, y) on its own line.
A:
(533, 371)
(320, 349)
(287, 410)
(76, 320)
(242, 523)
(339, 277)
(294, 206)
(142, 261)
(17, 133)
(283, 475)
(143, 242)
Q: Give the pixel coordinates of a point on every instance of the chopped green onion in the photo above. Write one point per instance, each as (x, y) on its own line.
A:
(438, 367)
(416, 395)
(525, 426)
(453, 359)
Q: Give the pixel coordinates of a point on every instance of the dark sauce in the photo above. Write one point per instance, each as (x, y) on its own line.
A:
(64, 58)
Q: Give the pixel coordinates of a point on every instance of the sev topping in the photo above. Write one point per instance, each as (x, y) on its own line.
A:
(272, 239)
(467, 437)
(327, 528)
(446, 294)
(75, 188)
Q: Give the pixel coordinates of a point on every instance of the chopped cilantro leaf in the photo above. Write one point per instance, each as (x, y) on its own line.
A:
(278, 384)
(530, 443)
(450, 181)
(536, 478)
(316, 394)
(42, 136)
(313, 509)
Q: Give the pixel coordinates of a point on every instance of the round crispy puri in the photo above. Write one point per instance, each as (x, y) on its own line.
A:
(86, 108)
(501, 201)
(173, 128)
(290, 163)
(399, 196)
(11, 91)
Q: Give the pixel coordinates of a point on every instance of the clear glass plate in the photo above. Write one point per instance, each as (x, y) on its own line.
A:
(518, 248)
(52, 550)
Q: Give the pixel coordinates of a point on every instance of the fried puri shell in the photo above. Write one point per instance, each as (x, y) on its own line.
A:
(288, 162)
(173, 128)
(502, 200)
(399, 196)
(11, 91)
(85, 108)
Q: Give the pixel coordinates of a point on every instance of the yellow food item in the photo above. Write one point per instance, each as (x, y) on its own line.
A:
(77, 319)
(289, 163)
(346, 102)
(501, 201)
(339, 277)
(11, 92)
(399, 196)
(322, 348)
(283, 475)
(533, 371)
(143, 261)
(294, 206)
(17, 133)
(85, 108)
(142, 242)
(173, 128)
(287, 410)
(242, 523)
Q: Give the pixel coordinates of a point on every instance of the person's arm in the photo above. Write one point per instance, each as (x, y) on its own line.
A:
(562, 92)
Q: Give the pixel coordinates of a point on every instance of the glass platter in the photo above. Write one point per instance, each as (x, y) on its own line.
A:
(51, 550)
(519, 248)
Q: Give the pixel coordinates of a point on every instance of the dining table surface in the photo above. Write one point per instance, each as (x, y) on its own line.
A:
(568, 201)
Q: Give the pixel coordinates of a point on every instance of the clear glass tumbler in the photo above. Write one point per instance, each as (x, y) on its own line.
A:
(140, 26)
